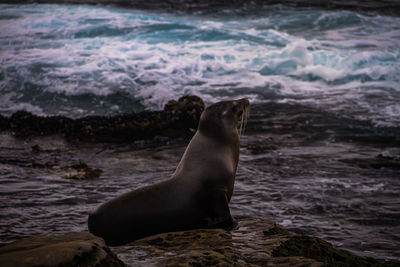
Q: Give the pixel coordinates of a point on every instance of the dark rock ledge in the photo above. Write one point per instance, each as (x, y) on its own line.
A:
(178, 119)
(70, 249)
(257, 242)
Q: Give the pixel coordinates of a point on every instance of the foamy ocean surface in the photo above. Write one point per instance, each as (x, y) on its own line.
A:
(321, 151)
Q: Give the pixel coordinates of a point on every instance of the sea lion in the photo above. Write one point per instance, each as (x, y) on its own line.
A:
(197, 194)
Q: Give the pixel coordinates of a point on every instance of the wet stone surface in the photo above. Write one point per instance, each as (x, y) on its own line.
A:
(257, 242)
(69, 249)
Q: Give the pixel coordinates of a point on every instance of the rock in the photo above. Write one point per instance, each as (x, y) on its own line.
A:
(80, 171)
(178, 119)
(183, 114)
(318, 249)
(257, 242)
(70, 249)
(246, 246)
(23, 123)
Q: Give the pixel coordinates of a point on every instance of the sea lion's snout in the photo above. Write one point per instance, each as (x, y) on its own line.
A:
(224, 116)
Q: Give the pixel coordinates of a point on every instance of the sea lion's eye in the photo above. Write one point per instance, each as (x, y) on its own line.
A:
(235, 110)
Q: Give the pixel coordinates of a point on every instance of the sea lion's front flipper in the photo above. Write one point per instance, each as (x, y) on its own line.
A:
(219, 215)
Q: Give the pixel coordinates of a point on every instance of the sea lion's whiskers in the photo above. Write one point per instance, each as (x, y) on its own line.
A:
(243, 120)
(241, 125)
(246, 115)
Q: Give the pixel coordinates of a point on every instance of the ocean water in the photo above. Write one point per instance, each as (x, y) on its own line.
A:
(321, 151)
(81, 60)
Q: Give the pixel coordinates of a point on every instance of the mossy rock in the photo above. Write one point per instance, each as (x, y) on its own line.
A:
(178, 119)
(320, 250)
(69, 249)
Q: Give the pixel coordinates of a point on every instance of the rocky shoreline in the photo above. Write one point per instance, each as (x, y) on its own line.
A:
(257, 242)
(178, 119)
(69, 249)
(388, 7)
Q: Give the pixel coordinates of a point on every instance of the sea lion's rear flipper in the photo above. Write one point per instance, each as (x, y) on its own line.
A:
(219, 215)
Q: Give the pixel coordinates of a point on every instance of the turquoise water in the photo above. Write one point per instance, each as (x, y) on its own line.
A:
(81, 60)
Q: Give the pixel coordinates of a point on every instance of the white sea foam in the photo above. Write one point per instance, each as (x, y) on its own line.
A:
(315, 57)
(7, 98)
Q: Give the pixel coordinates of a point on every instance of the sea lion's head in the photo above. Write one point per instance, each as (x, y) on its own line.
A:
(220, 120)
